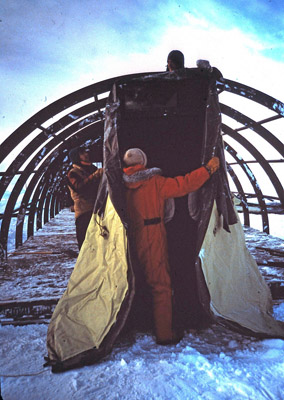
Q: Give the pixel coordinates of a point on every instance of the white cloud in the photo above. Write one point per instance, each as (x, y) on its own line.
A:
(77, 50)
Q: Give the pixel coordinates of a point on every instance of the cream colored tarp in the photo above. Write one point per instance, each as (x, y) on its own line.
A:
(98, 285)
(237, 289)
(96, 289)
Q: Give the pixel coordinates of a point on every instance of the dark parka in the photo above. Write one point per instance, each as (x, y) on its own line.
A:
(83, 184)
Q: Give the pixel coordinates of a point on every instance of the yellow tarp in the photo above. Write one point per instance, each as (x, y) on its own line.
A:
(96, 289)
(237, 289)
(98, 285)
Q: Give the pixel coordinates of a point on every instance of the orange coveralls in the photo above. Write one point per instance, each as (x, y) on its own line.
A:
(146, 193)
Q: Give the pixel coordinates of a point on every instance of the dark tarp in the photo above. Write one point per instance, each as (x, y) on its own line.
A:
(175, 118)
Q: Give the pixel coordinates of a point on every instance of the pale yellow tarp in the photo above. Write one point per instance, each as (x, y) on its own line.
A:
(95, 291)
(237, 289)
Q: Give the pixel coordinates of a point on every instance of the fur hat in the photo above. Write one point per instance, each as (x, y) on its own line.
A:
(135, 156)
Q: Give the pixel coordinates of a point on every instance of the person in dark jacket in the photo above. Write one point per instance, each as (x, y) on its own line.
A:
(146, 193)
(175, 60)
(83, 183)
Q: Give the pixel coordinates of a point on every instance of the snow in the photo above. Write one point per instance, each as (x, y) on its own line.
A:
(215, 363)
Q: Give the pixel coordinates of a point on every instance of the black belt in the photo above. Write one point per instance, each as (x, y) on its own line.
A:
(152, 221)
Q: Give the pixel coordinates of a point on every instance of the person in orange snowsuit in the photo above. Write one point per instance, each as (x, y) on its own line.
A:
(146, 193)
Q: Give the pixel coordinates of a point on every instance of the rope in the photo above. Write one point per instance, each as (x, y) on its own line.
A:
(18, 376)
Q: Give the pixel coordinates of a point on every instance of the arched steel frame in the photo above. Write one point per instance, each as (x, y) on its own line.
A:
(40, 167)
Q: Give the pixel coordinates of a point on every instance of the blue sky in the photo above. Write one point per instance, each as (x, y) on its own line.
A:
(50, 48)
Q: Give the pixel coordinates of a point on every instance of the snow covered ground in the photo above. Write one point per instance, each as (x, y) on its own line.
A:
(213, 364)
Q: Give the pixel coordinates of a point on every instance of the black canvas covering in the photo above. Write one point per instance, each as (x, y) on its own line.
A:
(175, 119)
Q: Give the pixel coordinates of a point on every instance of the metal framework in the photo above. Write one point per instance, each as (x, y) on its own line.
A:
(34, 158)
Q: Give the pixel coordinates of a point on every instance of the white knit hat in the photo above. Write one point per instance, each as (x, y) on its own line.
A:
(135, 156)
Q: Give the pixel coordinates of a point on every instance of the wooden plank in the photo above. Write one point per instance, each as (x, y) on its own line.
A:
(273, 252)
(4, 304)
(25, 322)
(277, 290)
(27, 312)
(277, 264)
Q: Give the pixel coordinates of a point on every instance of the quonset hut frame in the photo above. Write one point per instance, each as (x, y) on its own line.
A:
(34, 158)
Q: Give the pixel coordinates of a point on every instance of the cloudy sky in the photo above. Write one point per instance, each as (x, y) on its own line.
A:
(50, 48)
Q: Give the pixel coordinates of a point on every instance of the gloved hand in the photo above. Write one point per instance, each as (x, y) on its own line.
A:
(98, 173)
(204, 64)
(213, 165)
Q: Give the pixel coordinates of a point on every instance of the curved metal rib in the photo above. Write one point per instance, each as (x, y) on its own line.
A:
(255, 185)
(43, 161)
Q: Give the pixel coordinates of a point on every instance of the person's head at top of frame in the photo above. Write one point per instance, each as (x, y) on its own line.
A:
(175, 60)
(80, 155)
